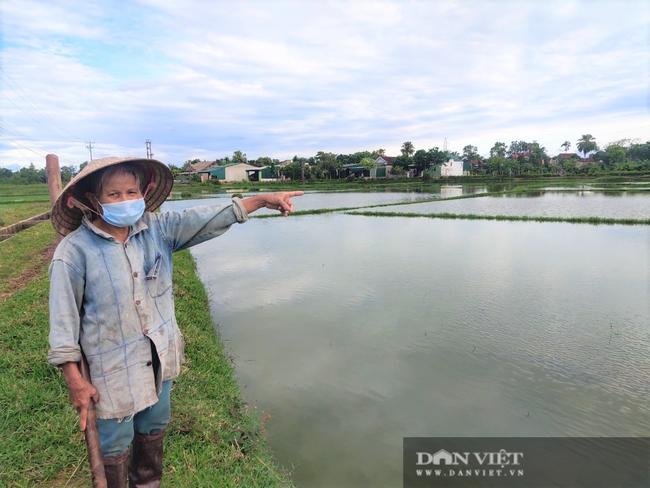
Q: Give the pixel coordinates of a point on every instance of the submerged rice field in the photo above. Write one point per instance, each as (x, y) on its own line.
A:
(355, 332)
(540, 203)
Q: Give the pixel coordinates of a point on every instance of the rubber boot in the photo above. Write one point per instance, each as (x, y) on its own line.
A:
(146, 466)
(115, 468)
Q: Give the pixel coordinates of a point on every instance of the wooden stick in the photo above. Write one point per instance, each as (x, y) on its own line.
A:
(95, 456)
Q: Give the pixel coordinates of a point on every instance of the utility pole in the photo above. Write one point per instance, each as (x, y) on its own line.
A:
(302, 171)
(149, 152)
(90, 148)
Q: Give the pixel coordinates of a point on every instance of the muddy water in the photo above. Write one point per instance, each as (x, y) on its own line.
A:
(354, 332)
(541, 203)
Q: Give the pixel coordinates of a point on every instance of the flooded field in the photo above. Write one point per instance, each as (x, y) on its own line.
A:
(311, 201)
(354, 332)
(541, 204)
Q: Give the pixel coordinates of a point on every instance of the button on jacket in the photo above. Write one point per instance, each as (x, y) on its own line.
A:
(113, 300)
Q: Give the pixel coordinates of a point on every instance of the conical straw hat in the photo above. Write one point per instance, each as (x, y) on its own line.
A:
(66, 217)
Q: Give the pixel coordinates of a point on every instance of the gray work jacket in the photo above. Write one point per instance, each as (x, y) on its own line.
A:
(114, 299)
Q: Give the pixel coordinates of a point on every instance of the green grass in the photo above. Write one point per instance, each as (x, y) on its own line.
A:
(314, 185)
(596, 184)
(24, 193)
(38, 435)
(22, 252)
(10, 213)
(213, 438)
(24, 190)
(416, 183)
(317, 211)
(204, 435)
(24, 199)
(523, 218)
(299, 213)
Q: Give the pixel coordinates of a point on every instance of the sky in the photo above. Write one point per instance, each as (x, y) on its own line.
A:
(202, 79)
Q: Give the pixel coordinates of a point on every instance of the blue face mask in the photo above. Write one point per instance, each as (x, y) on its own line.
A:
(125, 213)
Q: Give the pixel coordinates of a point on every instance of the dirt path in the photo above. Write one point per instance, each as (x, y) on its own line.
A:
(17, 283)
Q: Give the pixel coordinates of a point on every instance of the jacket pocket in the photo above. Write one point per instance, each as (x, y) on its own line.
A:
(158, 278)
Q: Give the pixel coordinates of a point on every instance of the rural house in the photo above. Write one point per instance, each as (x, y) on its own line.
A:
(196, 168)
(453, 167)
(263, 174)
(227, 172)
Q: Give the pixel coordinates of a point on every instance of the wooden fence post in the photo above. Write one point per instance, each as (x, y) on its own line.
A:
(53, 182)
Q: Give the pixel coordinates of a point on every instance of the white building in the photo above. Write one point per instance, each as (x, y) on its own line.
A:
(453, 167)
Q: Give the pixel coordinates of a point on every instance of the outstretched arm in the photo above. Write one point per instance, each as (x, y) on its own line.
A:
(275, 201)
(198, 224)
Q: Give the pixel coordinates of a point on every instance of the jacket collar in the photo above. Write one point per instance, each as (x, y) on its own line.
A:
(136, 228)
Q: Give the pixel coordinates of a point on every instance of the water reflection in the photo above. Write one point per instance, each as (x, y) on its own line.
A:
(316, 200)
(541, 203)
(355, 332)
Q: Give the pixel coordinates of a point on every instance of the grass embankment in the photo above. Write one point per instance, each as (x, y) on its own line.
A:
(446, 215)
(23, 256)
(374, 184)
(523, 218)
(24, 193)
(10, 213)
(316, 211)
(213, 438)
(19, 202)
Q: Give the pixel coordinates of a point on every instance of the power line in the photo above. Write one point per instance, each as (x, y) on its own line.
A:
(13, 143)
(33, 149)
(35, 120)
(34, 104)
(16, 149)
(16, 134)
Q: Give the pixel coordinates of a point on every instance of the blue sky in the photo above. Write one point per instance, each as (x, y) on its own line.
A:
(202, 79)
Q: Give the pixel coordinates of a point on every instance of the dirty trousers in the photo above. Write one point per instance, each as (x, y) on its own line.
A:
(115, 435)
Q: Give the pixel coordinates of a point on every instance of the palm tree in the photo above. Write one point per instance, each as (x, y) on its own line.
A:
(566, 145)
(238, 157)
(407, 148)
(587, 144)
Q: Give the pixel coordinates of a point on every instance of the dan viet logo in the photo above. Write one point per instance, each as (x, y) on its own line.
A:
(499, 463)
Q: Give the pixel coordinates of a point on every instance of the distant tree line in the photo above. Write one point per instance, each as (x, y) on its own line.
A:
(517, 158)
(30, 175)
(522, 157)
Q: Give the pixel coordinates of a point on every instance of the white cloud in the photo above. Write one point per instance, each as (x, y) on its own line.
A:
(27, 19)
(284, 78)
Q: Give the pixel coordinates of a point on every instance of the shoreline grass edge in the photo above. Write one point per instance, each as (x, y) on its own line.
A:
(214, 438)
(212, 428)
(513, 218)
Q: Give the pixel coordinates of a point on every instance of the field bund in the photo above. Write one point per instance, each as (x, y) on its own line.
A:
(214, 437)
